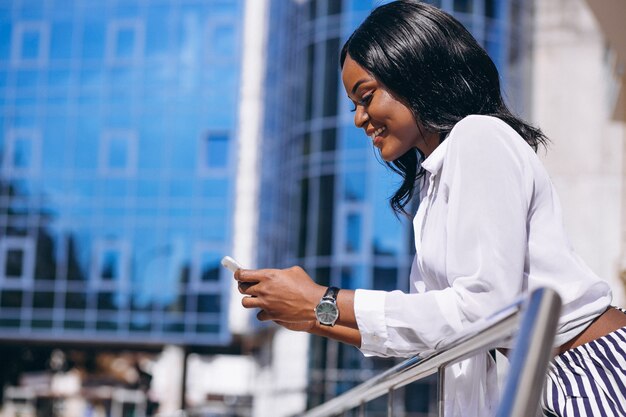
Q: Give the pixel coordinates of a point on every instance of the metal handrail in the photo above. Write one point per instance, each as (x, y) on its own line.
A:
(536, 318)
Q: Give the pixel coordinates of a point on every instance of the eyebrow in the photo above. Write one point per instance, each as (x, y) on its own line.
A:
(358, 83)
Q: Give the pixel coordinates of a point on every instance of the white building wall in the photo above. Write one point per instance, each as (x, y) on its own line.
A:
(281, 384)
(571, 105)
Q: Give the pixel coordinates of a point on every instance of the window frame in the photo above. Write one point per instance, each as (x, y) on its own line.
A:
(113, 30)
(27, 246)
(17, 43)
(132, 153)
(119, 283)
(12, 136)
(204, 169)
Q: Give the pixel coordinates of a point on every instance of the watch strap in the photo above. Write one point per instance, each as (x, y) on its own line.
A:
(331, 293)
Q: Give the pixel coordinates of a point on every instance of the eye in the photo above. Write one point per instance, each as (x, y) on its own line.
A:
(365, 100)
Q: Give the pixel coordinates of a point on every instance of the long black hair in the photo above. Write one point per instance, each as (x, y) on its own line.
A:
(431, 63)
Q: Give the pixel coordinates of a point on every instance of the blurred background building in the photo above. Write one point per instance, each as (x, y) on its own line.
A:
(117, 151)
(142, 140)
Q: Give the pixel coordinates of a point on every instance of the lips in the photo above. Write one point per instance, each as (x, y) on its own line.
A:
(378, 131)
(376, 136)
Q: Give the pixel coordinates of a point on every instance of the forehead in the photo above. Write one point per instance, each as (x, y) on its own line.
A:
(352, 73)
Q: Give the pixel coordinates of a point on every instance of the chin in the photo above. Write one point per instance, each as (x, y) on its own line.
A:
(388, 157)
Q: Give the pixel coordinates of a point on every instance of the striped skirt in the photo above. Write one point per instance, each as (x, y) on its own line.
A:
(589, 380)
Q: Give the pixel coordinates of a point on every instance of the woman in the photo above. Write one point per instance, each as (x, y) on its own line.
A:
(488, 227)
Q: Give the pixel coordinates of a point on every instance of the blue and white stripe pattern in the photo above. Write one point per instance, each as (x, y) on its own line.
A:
(589, 380)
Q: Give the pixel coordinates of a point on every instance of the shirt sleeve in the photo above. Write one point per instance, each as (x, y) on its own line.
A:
(487, 188)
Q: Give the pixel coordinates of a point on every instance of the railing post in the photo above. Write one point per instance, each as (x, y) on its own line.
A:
(390, 403)
(362, 409)
(530, 355)
(441, 390)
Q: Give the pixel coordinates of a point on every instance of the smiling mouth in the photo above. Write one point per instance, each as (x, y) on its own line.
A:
(378, 131)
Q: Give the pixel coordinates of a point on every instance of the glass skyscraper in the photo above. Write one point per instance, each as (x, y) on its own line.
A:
(330, 191)
(117, 157)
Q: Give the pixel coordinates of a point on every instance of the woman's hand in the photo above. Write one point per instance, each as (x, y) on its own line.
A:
(283, 295)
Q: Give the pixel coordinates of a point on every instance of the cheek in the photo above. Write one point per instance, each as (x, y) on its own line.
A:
(404, 125)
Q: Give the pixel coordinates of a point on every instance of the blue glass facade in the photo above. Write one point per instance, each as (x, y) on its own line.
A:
(117, 157)
(331, 191)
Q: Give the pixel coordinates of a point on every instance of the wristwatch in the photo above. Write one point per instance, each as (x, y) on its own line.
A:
(327, 311)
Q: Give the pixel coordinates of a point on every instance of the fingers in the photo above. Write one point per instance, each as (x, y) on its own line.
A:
(244, 287)
(252, 275)
(250, 302)
(262, 316)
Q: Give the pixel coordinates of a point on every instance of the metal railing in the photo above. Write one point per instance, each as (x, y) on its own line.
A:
(531, 321)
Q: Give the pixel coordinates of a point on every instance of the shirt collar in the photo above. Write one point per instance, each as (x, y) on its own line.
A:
(434, 161)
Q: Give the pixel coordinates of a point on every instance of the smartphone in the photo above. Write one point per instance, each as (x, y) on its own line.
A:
(230, 264)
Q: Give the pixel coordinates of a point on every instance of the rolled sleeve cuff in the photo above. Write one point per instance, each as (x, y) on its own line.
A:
(369, 310)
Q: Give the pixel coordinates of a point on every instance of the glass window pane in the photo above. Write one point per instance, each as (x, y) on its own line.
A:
(118, 153)
(354, 186)
(353, 233)
(43, 299)
(208, 303)
(93, 40)
(109, 268)
(463, 6)
(11, 299)
(14, 263)
(61, 40)
(125, 43)
(210, 266)
(31, 44)
(75, 301)
(222, 39)
(23, 150)
(106, 301)
(385, 279)
(5, 36)
(216, 150)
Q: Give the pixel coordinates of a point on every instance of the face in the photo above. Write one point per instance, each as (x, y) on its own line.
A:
(388, 122)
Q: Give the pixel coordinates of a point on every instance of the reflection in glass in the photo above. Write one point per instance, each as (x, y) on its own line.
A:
(110, 153)
(11, 298)
(385, 279)
(208, 303)
(210, 266)
(353, 233)
(326, 206)
(43, 299)
(93, 39)
(216, 150)
(354, 185)
(31, 44)
(353, 277)
(74, 325)
(60, 38)
(463, 6)
(105, 301)
(22, 157)
(110, 267)
(14, 263)
(119, 150)
(125, 43)
(388, 229)
(75, 301)
(222, 39)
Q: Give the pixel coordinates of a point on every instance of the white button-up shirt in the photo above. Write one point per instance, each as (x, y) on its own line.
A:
(489, 229)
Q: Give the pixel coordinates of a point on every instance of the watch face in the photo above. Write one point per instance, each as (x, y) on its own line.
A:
(326, 312)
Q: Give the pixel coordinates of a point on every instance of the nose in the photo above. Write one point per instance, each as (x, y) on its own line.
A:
(360, 117)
